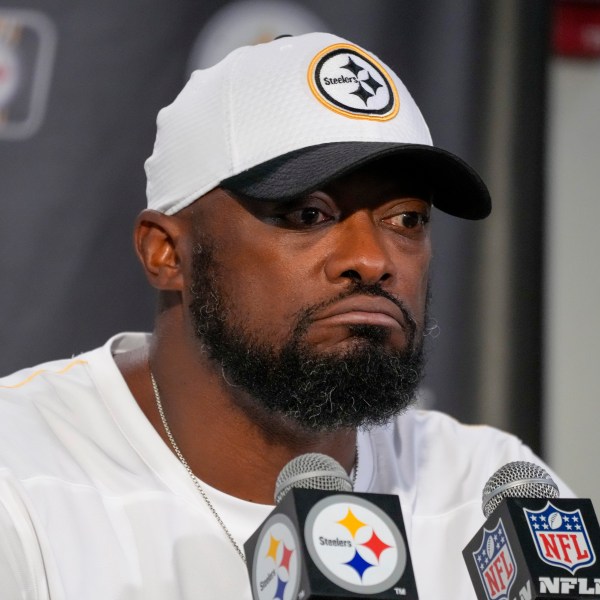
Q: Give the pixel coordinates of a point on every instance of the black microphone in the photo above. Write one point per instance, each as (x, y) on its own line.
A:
(324, 541)
(533, 544)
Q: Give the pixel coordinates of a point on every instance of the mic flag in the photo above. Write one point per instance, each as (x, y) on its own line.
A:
(331, 544)
(534, 548)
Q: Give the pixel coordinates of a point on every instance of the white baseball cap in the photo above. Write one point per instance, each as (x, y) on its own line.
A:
(278, 120)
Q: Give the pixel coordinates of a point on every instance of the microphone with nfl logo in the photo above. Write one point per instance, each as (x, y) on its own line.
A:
(533, 545)
(325, 541)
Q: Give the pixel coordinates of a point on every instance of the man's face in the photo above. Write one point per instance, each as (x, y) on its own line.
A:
(315, 309)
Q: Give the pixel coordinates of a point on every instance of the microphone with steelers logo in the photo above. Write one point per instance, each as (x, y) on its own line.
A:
(325, 541)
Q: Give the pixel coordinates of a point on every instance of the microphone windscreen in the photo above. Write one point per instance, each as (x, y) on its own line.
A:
(312, 471)
(518, 479)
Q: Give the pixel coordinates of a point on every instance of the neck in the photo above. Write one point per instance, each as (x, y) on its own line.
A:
(228, 441)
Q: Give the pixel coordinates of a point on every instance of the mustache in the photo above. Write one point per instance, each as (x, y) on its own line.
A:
(358, 288)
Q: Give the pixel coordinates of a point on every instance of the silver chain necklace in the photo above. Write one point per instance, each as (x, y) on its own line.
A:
(196, 481)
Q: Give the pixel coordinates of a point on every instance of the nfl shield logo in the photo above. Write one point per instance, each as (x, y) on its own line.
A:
(561, 537)
(495, 563)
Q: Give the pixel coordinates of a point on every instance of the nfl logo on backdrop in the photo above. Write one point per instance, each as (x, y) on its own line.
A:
(495, 563)
(561, 537)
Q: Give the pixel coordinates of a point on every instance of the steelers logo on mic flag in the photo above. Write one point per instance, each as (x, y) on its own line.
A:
(276, 567)
(355, 544)
(352, 83)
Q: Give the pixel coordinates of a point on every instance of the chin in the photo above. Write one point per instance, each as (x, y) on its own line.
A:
(375, 336)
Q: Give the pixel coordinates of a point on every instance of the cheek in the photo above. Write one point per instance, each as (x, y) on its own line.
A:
(423, 270)
(417, 279)
(266, 288)
(264, 275)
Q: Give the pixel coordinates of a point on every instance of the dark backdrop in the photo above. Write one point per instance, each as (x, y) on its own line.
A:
(70, 189)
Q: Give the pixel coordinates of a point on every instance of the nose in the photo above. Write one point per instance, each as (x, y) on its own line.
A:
(360, 252)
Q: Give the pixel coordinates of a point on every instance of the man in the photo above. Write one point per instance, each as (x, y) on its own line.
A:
(287, 231)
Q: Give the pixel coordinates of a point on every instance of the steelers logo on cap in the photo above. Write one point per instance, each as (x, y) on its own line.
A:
(350, 82)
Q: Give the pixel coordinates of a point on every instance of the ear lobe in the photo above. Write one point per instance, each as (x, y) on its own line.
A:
(157, 240)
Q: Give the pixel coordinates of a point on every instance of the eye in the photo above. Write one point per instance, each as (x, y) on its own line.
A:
(409, 220)
(308, 216)
(305, 217)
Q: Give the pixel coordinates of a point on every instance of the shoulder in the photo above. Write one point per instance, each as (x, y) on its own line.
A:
(28, 393)
(45, 382)
(444, 463)
(54, 382)
(26, 383)
(35, 405)
(48, 410)
(433, 430)
(432, 437)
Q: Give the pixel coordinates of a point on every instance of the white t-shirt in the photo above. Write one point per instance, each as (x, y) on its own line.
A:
(95, 506)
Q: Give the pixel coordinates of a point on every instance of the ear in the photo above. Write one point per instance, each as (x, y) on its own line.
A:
(160, 241)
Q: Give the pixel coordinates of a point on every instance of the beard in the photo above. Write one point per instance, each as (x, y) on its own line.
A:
(366, 385)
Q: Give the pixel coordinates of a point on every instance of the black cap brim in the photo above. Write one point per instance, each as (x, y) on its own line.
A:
(457, 189)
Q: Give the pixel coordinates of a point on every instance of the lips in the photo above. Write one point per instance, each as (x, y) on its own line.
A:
(362, 310)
